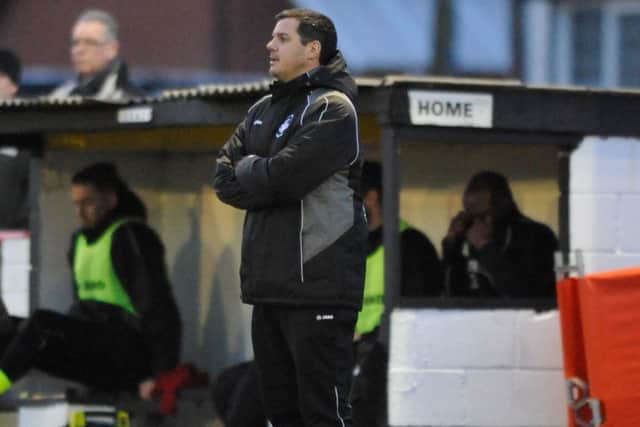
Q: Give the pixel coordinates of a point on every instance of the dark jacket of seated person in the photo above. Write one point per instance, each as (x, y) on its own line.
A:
(421, 271)
(419, 264)
(124, 328)
(493, 250)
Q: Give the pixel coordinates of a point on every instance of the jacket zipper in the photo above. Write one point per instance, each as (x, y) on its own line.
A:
(300, 239)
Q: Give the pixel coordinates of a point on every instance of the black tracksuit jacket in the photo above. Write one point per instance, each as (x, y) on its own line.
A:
(294, 165)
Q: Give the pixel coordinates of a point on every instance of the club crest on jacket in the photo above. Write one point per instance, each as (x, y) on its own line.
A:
(284, 126)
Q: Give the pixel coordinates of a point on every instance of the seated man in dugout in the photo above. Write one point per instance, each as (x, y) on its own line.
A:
(492, 250)
(421, 271)
(420, 276)
(124, 329)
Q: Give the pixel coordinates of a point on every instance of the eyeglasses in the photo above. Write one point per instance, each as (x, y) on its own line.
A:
(88, 42)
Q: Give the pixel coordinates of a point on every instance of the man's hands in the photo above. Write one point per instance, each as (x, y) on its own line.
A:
(145, 388)
(457, 227)
(479, 233)
(477, 230)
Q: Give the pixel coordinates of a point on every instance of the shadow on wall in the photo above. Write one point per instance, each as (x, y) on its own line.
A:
(215, 332)
(215, 341)
(186, 270)
(223, 342)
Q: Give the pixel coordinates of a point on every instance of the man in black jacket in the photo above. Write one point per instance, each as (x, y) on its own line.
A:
(95, 55)
(493, 250)
(124, 327)
(294, 165)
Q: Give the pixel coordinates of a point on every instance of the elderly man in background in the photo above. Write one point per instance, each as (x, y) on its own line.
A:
(101, 73)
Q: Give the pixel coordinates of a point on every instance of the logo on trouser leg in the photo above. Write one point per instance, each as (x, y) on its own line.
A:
(324, 317)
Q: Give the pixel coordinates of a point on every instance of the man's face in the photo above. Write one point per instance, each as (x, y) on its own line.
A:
(92, 49)
(91, 205)
(288, 57)
(477, 205)
(373, 208)
(7, 87)
(371, 201)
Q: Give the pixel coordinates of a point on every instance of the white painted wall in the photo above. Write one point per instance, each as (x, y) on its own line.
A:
(15, 271)
(476, 368)
(605, 202)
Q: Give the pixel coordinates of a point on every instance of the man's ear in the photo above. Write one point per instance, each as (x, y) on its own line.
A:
(112, 199)
(372, 198)
(114, 49)
(314, 48)
(12, 89)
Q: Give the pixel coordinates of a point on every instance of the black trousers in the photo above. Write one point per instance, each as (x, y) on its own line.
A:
(107, 356)
(236, 395)
(369, 386)
(304, 358)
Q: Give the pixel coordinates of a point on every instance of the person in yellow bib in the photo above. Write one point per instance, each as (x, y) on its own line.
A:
(421, 276)
(124, 327)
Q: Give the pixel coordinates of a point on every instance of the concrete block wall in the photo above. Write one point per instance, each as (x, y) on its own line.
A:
(476, 368)
(15, 270)
(604, 202)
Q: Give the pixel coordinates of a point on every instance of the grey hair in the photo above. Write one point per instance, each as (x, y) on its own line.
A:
(103, 17)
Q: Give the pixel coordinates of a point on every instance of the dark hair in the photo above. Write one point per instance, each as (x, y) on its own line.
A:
(314, 26)
(10, 65)
(372, 177)
(496, 184)
(104, 177)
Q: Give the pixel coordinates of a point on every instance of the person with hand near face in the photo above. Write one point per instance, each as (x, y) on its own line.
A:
(95, 56)
(492, 250)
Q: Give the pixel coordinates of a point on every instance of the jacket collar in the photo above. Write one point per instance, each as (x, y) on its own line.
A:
(113, 75)
(280, 90)
(334, 75)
